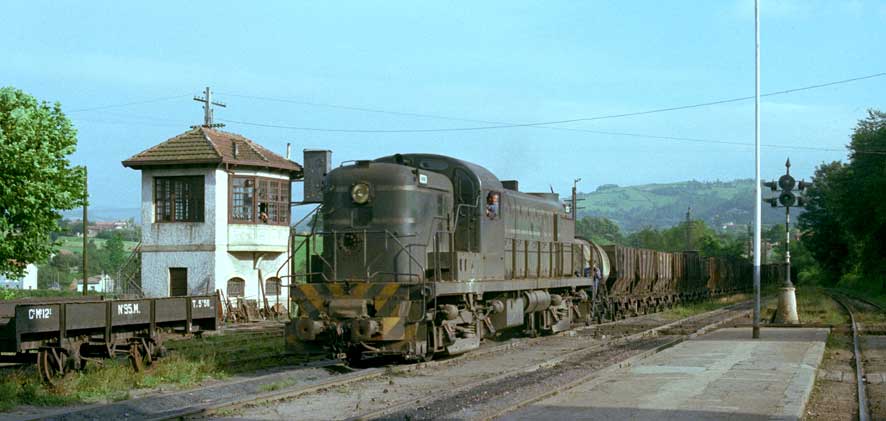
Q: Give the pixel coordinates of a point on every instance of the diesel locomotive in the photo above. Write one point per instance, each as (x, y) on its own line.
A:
(413, 255)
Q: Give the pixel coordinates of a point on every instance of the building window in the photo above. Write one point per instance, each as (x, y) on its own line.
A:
(178, 199)
(178, 282)
(236, 287)
(272, 286)
(242, 199)
(259, 200)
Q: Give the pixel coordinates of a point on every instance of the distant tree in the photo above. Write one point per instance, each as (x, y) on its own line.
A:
(116, 255)
(599, 230)
(647, 238)
(69, 262)
(36, 178)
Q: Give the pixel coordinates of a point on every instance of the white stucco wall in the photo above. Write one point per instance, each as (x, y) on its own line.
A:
(213, 251)
(155, 272)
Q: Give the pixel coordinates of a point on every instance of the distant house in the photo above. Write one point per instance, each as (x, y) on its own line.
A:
(215, 215)
(100, 227)
(97, 283)
(29, 281)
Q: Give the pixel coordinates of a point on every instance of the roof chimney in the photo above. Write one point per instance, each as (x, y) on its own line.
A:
(288, 149)
(236, 149)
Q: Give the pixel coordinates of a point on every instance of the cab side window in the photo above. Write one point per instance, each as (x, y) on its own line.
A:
(493, 205)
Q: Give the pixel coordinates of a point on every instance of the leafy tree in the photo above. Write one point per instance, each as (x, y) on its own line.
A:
(823, 232)
(36, 178)
(845, 220)
(863, 207)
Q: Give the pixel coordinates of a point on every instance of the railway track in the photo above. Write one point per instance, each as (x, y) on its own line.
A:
(318, 378)
(868, 356)
(478, 380)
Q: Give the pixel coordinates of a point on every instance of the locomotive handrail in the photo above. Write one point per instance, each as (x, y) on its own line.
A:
(368, 265)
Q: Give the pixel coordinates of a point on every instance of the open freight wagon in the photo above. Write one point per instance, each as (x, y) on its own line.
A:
(64, 335)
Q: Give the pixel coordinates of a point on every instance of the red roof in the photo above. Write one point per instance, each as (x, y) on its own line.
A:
(203, 145)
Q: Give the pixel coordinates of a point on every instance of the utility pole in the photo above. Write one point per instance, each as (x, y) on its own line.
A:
(689, 228)
(575, 198)
(85, 228)
(758, 204)
(207, 101)
(750, 239)
(787, 299)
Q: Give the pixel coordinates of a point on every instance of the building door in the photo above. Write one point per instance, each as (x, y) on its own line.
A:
(178, 282)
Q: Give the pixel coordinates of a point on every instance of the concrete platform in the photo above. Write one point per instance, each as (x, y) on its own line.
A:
(724, 375)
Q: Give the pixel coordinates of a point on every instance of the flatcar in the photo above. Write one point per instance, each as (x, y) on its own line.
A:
(60, 335)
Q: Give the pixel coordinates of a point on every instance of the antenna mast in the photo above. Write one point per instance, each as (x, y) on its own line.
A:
(207, 101)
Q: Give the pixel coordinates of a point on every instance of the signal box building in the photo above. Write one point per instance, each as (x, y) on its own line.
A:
(215, 212)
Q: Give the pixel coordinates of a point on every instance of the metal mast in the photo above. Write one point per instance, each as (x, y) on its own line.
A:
(758, 199)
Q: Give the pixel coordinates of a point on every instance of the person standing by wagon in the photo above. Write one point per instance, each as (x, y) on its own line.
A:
(597, 278)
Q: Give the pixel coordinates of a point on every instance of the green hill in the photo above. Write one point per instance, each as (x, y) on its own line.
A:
(719, 204)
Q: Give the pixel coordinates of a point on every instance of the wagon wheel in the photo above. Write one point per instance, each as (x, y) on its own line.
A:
(51, 364)
(140, 355)
(135, 357)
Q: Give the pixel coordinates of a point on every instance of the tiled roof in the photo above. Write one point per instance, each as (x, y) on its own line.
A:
(202, 145)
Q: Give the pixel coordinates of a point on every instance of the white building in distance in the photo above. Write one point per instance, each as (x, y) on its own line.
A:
(215, 215)
(29, 281)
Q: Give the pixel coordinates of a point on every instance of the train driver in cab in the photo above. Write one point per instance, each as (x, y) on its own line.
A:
(492, 200)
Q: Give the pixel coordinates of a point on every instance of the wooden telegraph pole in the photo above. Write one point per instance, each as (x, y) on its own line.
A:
(85, 229)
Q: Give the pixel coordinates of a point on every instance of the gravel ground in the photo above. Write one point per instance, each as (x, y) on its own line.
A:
(168, 403)
(834, 396)
(476, 384)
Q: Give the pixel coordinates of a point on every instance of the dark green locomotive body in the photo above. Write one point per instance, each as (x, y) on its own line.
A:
(423, 254)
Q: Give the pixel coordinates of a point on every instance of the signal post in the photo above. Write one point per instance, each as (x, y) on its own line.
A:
(787, 298)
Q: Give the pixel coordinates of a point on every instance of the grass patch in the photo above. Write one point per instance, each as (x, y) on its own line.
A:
(814, 306)
(687, 310)
(270, 387)
(691, 309)
(107, 382)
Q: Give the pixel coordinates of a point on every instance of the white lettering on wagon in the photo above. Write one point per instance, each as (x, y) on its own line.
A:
(202, 303)
(39, 313)
(128, 309)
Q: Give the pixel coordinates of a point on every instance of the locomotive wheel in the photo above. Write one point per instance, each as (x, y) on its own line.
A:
(51, 364)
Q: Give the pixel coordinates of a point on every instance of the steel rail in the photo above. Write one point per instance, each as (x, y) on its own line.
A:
(864, 413)
(203, 410)
(652, 332)
(368, 374)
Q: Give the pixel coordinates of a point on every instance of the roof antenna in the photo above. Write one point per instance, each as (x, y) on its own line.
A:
(552, 188)
(207, 101)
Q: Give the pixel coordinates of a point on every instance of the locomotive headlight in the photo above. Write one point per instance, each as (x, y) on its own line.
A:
(360, 193)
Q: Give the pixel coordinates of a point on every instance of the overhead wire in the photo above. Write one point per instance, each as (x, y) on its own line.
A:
(495, 126)
(542, 125)
(127, 104)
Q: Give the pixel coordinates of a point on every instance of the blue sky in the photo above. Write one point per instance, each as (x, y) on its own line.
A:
(492, 61)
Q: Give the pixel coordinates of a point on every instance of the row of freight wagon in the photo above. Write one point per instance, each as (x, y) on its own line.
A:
(642, 280)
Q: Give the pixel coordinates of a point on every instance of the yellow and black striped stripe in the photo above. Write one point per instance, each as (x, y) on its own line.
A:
(386, 297)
